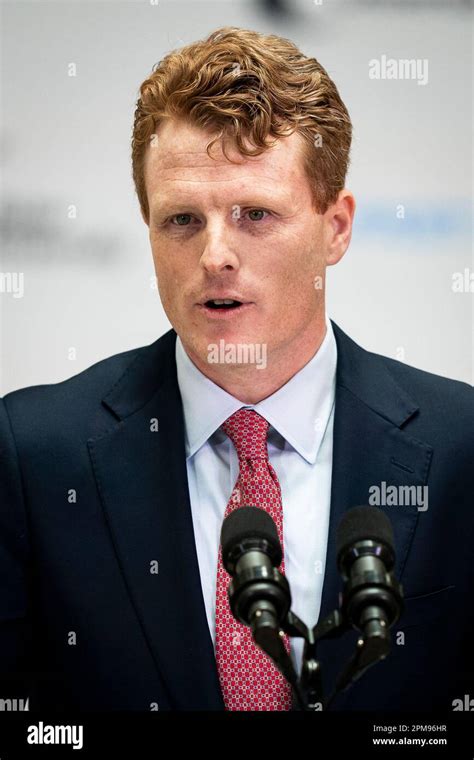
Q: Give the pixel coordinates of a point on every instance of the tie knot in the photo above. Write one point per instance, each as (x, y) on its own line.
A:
(248, 432)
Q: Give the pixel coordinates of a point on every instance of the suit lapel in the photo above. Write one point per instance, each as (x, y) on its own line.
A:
(140, 469)
(369, 447)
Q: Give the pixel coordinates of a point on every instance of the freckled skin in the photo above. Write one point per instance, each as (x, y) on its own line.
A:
(208, 233)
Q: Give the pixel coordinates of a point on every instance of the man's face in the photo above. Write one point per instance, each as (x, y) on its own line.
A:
(246, 231)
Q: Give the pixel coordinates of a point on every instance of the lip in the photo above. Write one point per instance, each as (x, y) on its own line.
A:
(222, 297)
(224, 313)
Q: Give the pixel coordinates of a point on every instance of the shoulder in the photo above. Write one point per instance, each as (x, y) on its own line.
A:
(445, 416)
(433, 390)
(74, 406)
(87, 386)
(424, 387)
(436, 409)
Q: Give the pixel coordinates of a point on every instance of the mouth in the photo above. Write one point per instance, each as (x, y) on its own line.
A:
(219, 308)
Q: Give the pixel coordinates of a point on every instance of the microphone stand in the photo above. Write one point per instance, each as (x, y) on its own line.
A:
(308, 688)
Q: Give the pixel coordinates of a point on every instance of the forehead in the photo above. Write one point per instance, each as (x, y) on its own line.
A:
(177, 160)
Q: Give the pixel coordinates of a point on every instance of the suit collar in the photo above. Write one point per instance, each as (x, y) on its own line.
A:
(150, 369)
(366, 376)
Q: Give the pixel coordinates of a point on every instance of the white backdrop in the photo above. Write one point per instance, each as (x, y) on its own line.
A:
(87, 281)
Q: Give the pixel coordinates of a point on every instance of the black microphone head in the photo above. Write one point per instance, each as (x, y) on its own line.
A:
(362, 524)
(249, 524)
(372, 598)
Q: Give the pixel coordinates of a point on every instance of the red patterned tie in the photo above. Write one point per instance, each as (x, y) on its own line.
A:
(249, 679)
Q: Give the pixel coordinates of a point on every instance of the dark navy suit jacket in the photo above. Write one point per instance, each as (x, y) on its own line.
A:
(91, 494)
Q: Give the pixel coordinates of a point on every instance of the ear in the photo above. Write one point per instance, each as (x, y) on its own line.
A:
(338, 226)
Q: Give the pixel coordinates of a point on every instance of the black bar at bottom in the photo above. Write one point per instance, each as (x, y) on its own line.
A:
(360, 734)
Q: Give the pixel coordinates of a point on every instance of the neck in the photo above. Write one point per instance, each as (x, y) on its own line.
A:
(248, 383)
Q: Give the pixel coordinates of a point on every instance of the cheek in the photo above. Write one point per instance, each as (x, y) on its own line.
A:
(173, 280)
(165, 265)
(164, 278)
(290, 275)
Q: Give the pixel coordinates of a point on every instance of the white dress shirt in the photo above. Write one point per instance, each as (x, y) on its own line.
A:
(300, 443)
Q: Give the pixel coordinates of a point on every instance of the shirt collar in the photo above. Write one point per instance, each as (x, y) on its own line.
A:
(299, 411)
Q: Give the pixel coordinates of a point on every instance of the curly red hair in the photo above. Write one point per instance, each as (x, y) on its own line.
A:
(243, 85)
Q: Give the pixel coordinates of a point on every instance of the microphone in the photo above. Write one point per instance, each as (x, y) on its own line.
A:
(372, 598)
(259, 595)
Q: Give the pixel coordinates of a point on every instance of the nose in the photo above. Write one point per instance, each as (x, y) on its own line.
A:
(218, 254)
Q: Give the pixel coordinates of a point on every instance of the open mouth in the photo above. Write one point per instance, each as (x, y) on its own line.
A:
(226, 303)
(224, 308)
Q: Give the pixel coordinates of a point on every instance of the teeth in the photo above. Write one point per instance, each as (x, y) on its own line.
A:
(224, 300)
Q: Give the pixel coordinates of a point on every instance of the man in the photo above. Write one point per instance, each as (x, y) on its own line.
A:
(115, 483)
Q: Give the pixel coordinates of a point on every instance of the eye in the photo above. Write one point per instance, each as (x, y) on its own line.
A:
(256, 214)
(182, 220)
